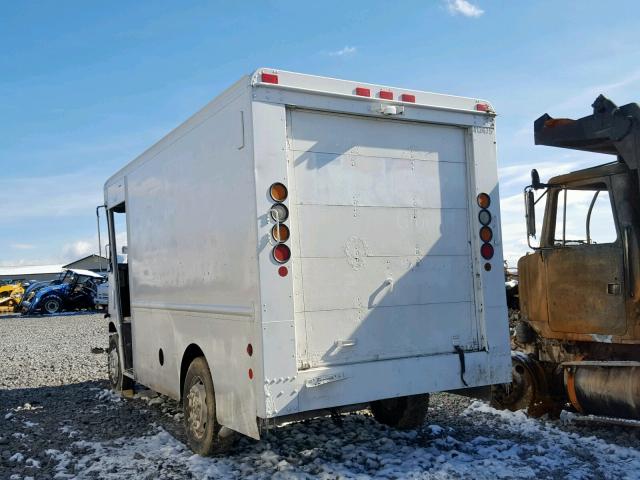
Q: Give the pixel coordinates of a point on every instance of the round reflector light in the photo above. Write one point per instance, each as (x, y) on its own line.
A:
(486, 234)
(283, 271)
(487, 267)
(279, 212)
(281, 253)
(280, 233)
(278, 192)
(484, 217)
(486, 251)
(484, 200)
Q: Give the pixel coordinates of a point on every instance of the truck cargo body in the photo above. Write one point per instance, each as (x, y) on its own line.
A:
(385, 293)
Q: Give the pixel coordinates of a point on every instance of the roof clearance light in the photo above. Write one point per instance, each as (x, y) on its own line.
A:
(486, 251)
(405, 97)
(386, 95)
(281, 253)
(363, 92)
(482, 107)
(484, 200)
(278, 192)
(269, 78)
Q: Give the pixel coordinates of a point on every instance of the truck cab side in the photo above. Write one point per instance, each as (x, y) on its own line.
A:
(579, 284)
(578, 336)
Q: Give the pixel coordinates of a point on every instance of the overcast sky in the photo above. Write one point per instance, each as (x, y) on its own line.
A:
(86, 86)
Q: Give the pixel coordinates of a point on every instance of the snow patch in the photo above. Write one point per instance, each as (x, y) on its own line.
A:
(107, 395)
(16, 457)
(514, 446)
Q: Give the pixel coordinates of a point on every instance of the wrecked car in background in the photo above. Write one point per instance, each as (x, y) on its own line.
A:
(75, 290)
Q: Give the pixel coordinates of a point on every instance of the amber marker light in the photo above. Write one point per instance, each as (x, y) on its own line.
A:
(484, 200)
(278, 192)
(280, 233)
(486, 234)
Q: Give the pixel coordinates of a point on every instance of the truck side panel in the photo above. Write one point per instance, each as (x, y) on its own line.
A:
(192, 259)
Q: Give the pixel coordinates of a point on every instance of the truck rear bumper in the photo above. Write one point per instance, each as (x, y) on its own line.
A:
(330, 387)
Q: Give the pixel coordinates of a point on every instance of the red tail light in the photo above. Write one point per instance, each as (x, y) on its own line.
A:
(363, 92)
(281, 253)
(386, 95)
(405, 97)
(486, 251)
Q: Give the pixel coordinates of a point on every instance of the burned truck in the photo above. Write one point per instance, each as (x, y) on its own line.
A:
(578, 339)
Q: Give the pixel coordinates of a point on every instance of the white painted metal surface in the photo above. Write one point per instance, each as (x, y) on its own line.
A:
(383, 236)
(385, 277)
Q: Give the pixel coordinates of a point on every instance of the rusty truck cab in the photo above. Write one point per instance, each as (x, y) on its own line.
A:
(580, 283)
(578, 337)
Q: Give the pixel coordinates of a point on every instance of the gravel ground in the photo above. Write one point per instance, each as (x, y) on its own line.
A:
(58, 420)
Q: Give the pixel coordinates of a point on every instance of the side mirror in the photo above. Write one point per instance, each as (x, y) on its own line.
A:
(535, 180)
(530, 212)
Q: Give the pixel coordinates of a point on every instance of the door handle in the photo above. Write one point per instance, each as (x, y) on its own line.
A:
(628, 271)
(614, 288)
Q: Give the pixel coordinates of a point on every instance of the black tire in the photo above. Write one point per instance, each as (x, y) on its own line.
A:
(199, 406)
(117, 380)
(404, 413)
(520, 394)
(51, 304)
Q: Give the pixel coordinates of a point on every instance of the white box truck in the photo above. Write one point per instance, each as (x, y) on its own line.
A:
(305, 245)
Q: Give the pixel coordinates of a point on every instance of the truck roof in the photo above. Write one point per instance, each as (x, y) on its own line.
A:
(599, 171)
(304, 83)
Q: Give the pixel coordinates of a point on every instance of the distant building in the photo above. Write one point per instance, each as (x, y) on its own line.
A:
(95, 263)
(30, 272)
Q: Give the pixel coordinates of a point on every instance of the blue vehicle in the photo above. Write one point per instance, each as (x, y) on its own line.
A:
(75, 290)
(31, 290)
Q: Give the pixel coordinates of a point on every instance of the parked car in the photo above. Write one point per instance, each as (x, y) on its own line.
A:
(75, 290)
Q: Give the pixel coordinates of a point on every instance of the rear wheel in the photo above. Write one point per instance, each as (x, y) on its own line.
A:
(52, 304)
(404, 413)
(116, 376)
(520, 394)
(199, 405)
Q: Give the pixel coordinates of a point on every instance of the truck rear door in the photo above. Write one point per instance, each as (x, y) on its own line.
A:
(382, 259)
